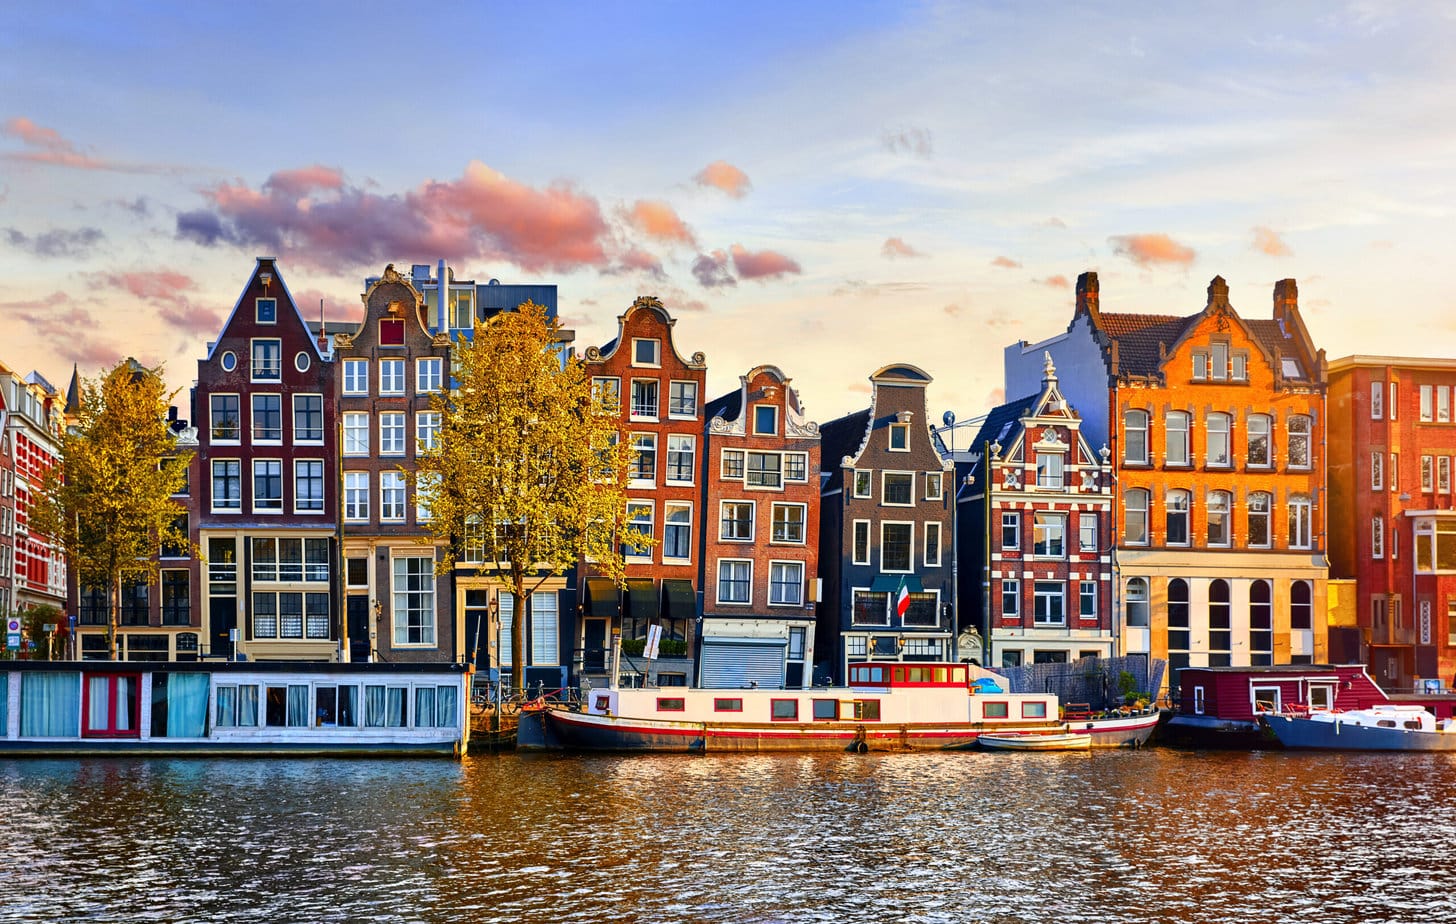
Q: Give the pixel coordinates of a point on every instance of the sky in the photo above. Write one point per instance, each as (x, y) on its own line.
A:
(827, 187)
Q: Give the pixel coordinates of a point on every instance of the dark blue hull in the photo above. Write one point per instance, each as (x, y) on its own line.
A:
(1342, 736)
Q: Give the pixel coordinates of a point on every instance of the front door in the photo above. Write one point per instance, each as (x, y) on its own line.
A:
(357, 616)
(594, 647)
(222, 620)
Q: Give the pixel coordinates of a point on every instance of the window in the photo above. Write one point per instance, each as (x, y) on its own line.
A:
(1443, 474)
(1377, 400)
(1443, 404)
(427, 430)
(1049, 535)
(1010, 530)
(922, 609)
(308, 485)
(1219, 533)
(788, 523)
(863, 483)
(899, 437)
(1301, 605)
(765, 470)
(1299, 522)
(391, 376)
(1299, 432)
(356, 496)
(681, 453)
(267, 360)
(898, 489)
(737, 521)
(1049, 603)
(1176, 424)
(784, 710)
(1135, 516)
(1087, 599)
(682, 399)
(1218, 360)
(1010, 597)
(644, 399)
(861, 542)
(896, 540)
(1135, 437)
(786, 583)
(1049, 470)
(640, 519)
(176, 609)
(932, 545)
(1427, 474)
(796, 466)
(268, 485)
(427, 375)
(356, 376)
(644, 457)
(732, 465)
(1087, 532)
(1178, 503)
(308, 418)
(1178, 638)
(391, 433)
(267, 310)
(1200, 366)
(871, 608)
(267, 418)
(1428, 403)
(934, 485)
(226, 419)
(1220, 637)
(1135, 602)
(1239, 367)
(607, 392)
(646, 352)
(426, 486)
(356, 434)
(391, 496)
(227, 484)
(1258, 507)
(1392, 479)
(1258, 445)
(765, 420)
(290, 560)
(1218, 441)
(111, 705)
(1377, 468)
(414, 601)
(677, 529)
(735, 580)
(1377, 537)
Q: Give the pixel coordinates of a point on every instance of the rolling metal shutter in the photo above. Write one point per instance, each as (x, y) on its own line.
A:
(736, 663)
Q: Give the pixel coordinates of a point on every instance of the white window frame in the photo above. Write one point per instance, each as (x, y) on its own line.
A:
(1377, 400)
(356, 377)
(392, 429)
(1086, 590)
(650, 522)
(299, 435)
(1146, 510)
(932, 543)
(1210, 509)
(1052, 523)
(774, 523)
(691, 450)
(1377, 537)
(869, 482)
(1377, 470)
(236, 504)
(1296, 504)
(392, 483)
(427, 430)
(429, 374)
(391, 377)
(673, 385)
(723, 520)
(641, 410)
(1427, 412)
(1179, 438)
(1221, 425)
(656, 349)
(1012, 519)
(1268, 516)
(1087, 532)
(298, 495)
(642, 442)
(934, 486)
(1040, 593)
(772, 412)
(212, 412)
(775, 569)
(272, 509)
(1251, 432)
(1011, 590)
(903, 430)
(733, 563)
(258, 310)
(740, 461)
(607, 389)
(400, 609)
(253, 401)
(356, 425)
(668, 509)
(254, 366)
(885, 494)
(909, 558)
(869, 544)
(1128, 430)
(356, 497)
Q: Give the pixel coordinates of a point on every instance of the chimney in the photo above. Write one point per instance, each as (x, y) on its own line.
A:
(442, 289)
(1217, 292)
(1088, 295)
(1286, 299)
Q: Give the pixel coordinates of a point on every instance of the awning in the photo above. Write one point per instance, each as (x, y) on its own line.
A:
(679, 600)
(890, 583)
(602, 597)
(642, 599)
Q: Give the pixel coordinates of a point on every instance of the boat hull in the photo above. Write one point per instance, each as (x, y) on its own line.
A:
(1034, 742)
(1301, 733)
(1131, 731)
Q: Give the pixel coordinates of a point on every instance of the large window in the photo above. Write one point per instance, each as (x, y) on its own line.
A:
(414, 601)
(1010, 530)
(682, 399)
(268, 485)
(290, 615)
(391, 433)
(1178, 628)
(681, 453)
(788, 523)
(308, 418)
(737, 521)
(1177, 436)
(896, 540)
(1135, 516)
(1220, 636)
(1258, 445)
(644, 399)
(1178, 504)
(356, 496)
(356, 376)
(427, 430)
(427, 375)
(1135, 602)
(1258, 507)
(1299, 435)
(735, 581)
(765, 470)
(308, 485)
(1300, 521)
(677, 530)
(640, 519)
(1049, 603)
(1050, 535)
(288, 560)
(1049, 467)
(267, 418)
(267, 360)
(899, 489)
(1301, 605)
(1010, 597)
(1135, 437)
(356, 434)
(1435, 546)
(1218, 441)
(1219, 533)
(871, 608)
(391, 496)
(786, 583)
(227, 484)
(391, 376)
(226, 419)
(176, 597)
(644, 457)
(1261, 624)
(1087, 532)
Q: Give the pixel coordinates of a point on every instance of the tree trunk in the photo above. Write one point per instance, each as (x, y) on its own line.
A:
(518, 632)
(113, 621)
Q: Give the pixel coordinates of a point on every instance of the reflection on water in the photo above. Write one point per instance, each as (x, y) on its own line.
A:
(1154, 835)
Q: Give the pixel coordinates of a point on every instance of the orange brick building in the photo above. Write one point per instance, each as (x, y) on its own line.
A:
(1215, 424)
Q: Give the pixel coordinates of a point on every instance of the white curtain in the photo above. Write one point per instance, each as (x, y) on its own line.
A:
(50, 704)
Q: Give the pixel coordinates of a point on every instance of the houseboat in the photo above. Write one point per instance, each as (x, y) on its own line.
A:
(1221, 706)
(1384, 727)
(255, 708)
(887, 706)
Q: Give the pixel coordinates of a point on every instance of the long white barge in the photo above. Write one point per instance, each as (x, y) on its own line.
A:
(255, 708)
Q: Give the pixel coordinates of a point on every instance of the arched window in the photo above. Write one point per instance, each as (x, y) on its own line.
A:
(1300, 511)
(1176, 426)
(1135, 602)
(1259, 503)
(1220, 638)
(1177, 624)
(1217, 455)
(1177, 517)
(1301, 605)
(1135, 437)
(1298, 441)
(1258, 455)
(1261, 623)
(1135, 516)
(1218, 518)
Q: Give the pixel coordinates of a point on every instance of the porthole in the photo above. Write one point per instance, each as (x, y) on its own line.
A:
(229, 361)
(301, 362)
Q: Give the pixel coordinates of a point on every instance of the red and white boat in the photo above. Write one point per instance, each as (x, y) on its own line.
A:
(887, 706)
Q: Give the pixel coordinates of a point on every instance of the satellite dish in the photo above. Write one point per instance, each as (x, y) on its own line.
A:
(948, 418)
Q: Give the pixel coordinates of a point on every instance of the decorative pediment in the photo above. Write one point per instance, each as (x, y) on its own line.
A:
(734, 427)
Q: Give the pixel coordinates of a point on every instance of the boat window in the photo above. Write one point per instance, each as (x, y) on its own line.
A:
(384, 707)
(785, 710)
(424, 707)
(958, 675)
(994, 710)
(50, 704)
(941, 675)
(1037, 710)
(287, 706)
(112, 705)
(728, 705)
(1198, 700)
(326, 707)
(1386, 723)
(670, 704)
(867, 710)
(4, 704)
(1413, 723)
(603, 703)
(922, 674)
(899, 675)
(1321, 697)
(826, 710)
(1267, 699)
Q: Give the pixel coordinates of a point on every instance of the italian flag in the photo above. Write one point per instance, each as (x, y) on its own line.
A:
(902, 599)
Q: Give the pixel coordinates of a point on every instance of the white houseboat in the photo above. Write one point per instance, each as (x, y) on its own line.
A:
(80, 708)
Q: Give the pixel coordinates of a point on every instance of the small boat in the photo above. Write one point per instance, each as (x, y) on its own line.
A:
(1388, 727)
(1032, 741)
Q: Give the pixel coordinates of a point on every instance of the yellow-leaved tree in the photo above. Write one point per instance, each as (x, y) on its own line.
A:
(527, 476)
(110, 499)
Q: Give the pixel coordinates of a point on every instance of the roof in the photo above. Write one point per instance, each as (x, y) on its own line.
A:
(839, 438)
(727, 406)
(1138, 337)
(1001, 424)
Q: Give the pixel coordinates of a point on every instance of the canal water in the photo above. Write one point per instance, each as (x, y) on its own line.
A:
(1152, 835)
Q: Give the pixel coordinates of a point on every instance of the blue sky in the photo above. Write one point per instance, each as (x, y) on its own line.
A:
(827, 187)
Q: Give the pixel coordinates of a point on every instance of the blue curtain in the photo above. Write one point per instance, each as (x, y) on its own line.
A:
(374, 706)
(394, 710)
(298, 706)
(227, 707)
(424, 707)
(248, 706)
(445, 708)
(50, 704)
(187, 705)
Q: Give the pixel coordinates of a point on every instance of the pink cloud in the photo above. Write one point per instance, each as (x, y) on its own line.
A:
(763, 264)
(67, 327)
(482, 215)
(641, 261)
(724, 176)
(1150, 249)
(166, 291)
(1006, 263)
(952, 310)
(1056, 282)
(712, 270)
(48, 146)
(659, 221)
(895, 247)
(1267, 241)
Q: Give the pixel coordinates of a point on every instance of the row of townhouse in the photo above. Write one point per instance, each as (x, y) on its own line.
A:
(1161, 486)
(32, 567)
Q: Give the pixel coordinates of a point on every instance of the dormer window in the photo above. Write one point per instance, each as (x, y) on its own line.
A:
(899, 437)
(765, 420)
(646, 352)
(267, 310)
